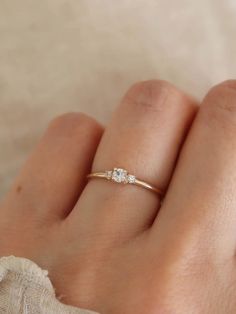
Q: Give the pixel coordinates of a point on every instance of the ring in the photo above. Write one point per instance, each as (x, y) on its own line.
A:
(120, 175)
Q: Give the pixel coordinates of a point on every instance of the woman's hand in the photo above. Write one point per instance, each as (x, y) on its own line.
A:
(113, 248)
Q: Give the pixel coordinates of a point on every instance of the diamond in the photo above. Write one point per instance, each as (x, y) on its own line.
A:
(109, 174)
(131, 178)
(119, 175)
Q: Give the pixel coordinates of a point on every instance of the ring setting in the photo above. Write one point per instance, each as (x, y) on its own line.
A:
(120, 175)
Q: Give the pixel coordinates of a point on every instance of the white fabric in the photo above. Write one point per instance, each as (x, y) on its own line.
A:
(26, 289)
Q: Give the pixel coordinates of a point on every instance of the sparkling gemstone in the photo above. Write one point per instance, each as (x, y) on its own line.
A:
(119, 175)
(131, 178)
(109, 174)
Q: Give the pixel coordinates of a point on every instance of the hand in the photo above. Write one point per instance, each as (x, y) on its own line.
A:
(115, 248)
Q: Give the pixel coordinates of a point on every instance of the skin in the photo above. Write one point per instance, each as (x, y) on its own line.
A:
(114, 248)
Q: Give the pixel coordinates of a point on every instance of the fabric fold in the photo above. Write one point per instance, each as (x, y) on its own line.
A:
(25, 288)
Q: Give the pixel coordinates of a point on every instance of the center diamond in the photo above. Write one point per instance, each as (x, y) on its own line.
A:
(119, 175)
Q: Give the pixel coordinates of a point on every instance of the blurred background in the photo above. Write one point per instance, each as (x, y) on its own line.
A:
(82, 55)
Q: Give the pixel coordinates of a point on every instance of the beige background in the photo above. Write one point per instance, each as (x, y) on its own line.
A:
(67, 55)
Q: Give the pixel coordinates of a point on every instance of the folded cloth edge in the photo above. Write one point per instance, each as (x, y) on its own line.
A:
(19, 268)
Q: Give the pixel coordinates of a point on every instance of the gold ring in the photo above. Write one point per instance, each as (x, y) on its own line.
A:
(120, 175)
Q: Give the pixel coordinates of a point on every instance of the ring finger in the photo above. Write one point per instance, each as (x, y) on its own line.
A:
(144, 137)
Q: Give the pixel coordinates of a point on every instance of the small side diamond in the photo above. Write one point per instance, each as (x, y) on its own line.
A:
(131, 178)
(109, 174)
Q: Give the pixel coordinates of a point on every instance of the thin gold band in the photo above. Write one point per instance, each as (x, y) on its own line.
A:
(120, 175)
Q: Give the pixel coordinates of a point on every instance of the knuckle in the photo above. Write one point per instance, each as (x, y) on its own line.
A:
(220, 103)
(68, 118)
(228, 83)
(73, 123)
(150, 94)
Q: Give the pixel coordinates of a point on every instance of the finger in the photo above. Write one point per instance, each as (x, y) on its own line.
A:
(201, 201)
(143, 137)
(54, 176)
